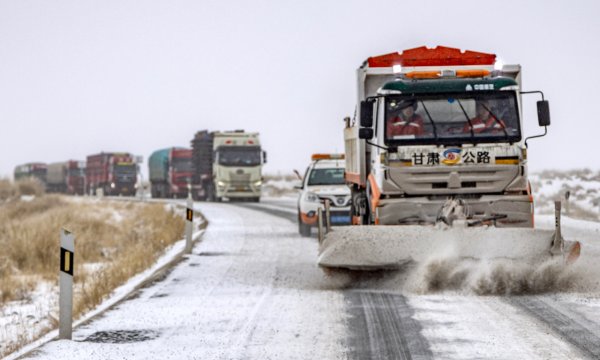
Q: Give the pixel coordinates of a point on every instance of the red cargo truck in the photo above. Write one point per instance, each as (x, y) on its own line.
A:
(170, 172)
(66, 177)
(113, 173)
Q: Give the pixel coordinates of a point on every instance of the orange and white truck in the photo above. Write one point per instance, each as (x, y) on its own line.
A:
(437, 138)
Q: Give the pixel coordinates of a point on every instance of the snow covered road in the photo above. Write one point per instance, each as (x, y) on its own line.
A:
(251, 290)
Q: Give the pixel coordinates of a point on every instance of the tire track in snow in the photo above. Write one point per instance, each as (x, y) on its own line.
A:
(569, 324)
(382, 327)
(381, 324)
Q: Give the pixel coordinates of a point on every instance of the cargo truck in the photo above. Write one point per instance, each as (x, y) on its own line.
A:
(66, 177)
(32, 170)
(437, 147)
(227, 165)
(170, 172)
(111, 173)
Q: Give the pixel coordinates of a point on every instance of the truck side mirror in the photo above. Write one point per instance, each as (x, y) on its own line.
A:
(365, 133)
(543, 109)
(366, 114)
(264, 154)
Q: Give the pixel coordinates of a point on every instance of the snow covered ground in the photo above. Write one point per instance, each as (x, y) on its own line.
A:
(24, 320)
(251, 289)
(583, 186)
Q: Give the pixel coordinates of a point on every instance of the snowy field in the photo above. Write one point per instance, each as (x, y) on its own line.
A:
(252, 290)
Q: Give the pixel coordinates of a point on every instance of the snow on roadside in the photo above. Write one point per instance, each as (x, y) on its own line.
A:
(35, 314)
(583, 186)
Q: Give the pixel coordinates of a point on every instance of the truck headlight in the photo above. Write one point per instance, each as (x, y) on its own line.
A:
(112, 185)
(221, 184)
(311, 197)
(258, 183)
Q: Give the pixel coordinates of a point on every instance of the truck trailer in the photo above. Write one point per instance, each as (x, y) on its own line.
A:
(111, 173)
(66, 177)
(227, 165)
(438, 142)
(35, 170)
(170, 172)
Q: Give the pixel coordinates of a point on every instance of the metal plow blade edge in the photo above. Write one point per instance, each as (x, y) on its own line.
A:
(381, 247)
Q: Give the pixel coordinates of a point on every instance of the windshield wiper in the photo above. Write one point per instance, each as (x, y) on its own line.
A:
(468, 119)
(497, 122)
(430, 120)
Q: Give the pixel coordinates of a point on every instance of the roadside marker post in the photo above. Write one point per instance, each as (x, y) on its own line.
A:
(189, 224)
(327, 216)
(65, 296)
(320, 230)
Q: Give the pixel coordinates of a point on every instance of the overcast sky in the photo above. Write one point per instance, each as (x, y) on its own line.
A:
(79, 77)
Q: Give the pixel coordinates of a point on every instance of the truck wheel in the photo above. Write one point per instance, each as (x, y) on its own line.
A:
(303, 229)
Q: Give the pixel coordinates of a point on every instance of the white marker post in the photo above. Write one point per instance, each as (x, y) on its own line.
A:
(327, 216)
(320, 230)
(189, 224)
(65, 297)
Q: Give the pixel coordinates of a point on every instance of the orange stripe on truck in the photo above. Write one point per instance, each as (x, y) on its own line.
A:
(376, 193)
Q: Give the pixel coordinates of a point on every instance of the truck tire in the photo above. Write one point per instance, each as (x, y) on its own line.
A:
(303, 229)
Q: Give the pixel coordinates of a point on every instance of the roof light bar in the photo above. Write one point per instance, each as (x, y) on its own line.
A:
(327, 157)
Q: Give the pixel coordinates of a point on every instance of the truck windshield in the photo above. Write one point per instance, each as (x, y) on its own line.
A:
(125, 172)
(453, 118)
(182, 165)
(76, 172)
(239, 155)
(326, 177)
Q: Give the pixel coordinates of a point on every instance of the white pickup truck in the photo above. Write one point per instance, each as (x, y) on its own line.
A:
(323, 180)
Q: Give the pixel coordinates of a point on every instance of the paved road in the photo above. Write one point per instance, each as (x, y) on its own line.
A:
(251, 290)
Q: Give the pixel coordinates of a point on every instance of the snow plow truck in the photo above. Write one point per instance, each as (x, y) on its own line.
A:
(436, 158)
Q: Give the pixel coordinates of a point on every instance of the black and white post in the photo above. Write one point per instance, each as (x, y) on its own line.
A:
(189, 224)
(65, 297)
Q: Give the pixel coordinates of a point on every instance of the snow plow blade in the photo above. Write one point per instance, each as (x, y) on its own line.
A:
(380, 247)
(375, 247)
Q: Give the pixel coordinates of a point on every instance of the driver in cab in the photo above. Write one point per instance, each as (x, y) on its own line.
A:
(407, 122)
(484, 121)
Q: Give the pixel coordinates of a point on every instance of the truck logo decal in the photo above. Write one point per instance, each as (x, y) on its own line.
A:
(455, 156)
(469, 87)
(451, 157)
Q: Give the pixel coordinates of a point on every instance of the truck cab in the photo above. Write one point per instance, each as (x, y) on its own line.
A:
(323, 180)
(439, 129)
(237, 165)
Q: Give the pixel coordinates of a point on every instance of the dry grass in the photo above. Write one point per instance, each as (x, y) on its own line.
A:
(10, 190)
(119, 246)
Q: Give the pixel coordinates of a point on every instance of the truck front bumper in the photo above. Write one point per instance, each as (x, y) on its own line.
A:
(238, 191)
(338, 215)
(518, 209)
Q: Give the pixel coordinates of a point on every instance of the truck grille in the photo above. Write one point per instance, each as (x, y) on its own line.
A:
(239, 179)
(452, 180)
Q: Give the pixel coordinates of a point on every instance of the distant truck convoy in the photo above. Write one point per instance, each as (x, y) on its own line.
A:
(170, 172)
(29, 170)
(112, 173)
(66, 177)
(227, 165)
